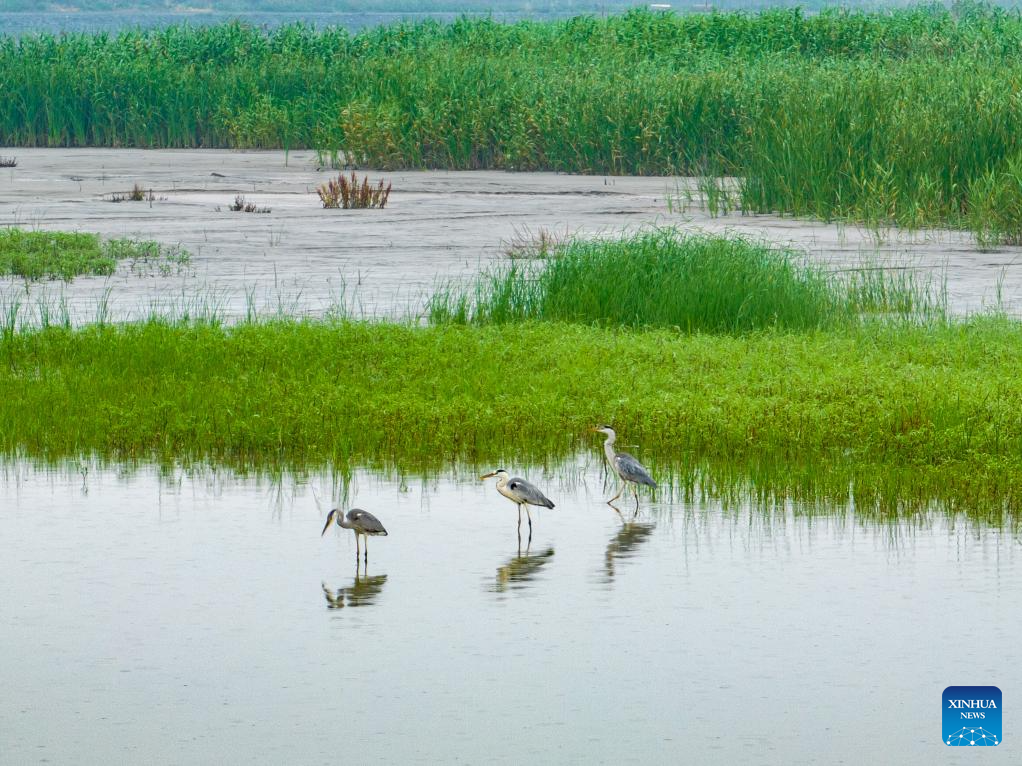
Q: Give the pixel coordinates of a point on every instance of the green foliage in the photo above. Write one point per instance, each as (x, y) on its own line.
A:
(664, 278)
(890, 117)
(61, 255)
(995, 204)
(940, 401)
(52, 254)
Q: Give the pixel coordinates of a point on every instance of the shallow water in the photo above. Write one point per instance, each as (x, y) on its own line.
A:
(200, 618)
(439, 226)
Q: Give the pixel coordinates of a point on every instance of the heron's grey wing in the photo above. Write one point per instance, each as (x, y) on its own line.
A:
(366, 522)
(529, 493)
(632, 470)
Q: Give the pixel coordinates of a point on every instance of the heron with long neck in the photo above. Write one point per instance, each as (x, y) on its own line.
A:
(521, 493)
(628, 469)
(360, 522)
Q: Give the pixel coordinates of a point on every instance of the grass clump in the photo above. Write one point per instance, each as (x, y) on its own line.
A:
(664, 278)
(241, 205)
(348, 193)
(62, 255)
(53, 255)
(137, 194)
(8, 162)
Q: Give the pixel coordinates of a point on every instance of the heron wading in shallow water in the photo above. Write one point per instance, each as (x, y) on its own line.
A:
(628, 469)
(521, 493)
(360, 522)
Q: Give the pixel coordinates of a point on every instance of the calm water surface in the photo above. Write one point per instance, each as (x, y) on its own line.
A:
(190, 619)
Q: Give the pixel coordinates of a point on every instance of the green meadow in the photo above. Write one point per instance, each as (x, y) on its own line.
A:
(940, 401)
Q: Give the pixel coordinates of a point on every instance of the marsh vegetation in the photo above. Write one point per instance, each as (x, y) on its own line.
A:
(66, 255)
(346, 192)
(666, 278)
(137, 194)
(241, 205)
(903, 116)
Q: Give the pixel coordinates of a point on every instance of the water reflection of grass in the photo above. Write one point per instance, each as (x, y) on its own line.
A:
(893, 413)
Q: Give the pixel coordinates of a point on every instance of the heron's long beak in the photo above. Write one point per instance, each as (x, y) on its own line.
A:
(329, 519)
(486, 476)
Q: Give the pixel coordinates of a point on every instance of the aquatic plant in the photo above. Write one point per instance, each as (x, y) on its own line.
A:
(137, 194)
(8, 162)
(64, 255)
(240, 205)
(346, 192)
(666, 278)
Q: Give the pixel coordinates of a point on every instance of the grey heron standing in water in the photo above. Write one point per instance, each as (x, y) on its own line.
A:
(360, 522)
(628, 469)
(521, 493)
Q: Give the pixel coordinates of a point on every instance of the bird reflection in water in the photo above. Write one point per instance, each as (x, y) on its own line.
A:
(362, 592)
(623, 544)
(520, 569)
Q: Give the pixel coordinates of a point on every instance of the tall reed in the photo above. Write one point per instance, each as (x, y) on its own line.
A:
(899, 116)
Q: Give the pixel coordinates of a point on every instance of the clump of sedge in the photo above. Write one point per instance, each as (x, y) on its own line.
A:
(242, 206)
(346, 192)
(137, 194)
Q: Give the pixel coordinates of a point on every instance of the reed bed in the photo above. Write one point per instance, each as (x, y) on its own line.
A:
(666, 278)
(904, 116)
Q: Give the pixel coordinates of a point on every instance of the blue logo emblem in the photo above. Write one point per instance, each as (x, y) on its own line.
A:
(972, 716)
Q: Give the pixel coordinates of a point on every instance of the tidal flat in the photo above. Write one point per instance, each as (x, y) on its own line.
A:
(439, 227)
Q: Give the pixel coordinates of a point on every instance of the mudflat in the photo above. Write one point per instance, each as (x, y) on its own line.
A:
(438, 226)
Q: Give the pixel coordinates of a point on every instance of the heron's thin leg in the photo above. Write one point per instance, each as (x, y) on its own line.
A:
(620, 490)
(519, 519)
(365, 545)
(358, 549)
(635, 491)
(529, 514)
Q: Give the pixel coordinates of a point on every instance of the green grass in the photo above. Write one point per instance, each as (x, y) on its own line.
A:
(60, 255)
(940, 404)
(665, 278)
(906, 116)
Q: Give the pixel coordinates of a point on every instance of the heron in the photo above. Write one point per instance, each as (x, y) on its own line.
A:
(521, 493)
(628, 469)
(360, 522)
